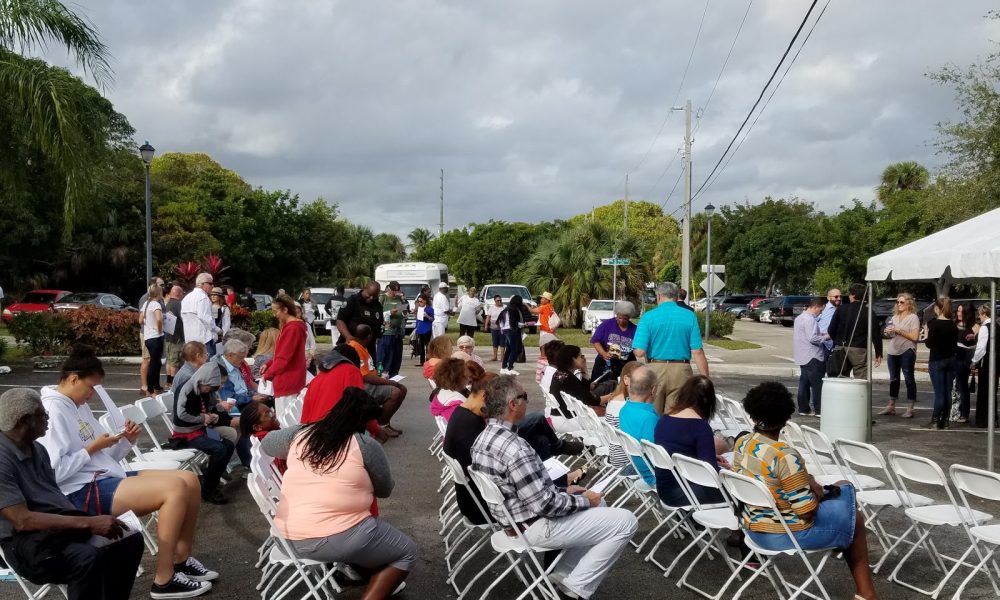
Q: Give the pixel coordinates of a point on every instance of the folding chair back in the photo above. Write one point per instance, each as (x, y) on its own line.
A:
(747, 490)
(632, 447)
(978, 482)
(861, 454)
(133, 413)
(917, 468)
(488, 490)
(442, 425)
(457, 472)
(696, 471)
(656, 455)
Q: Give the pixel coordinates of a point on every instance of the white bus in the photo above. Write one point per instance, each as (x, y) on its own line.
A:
(412, 277)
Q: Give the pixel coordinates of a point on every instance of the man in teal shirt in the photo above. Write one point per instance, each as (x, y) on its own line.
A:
(668, 337)
(638, 417)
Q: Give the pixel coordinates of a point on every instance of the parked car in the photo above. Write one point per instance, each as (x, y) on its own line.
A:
(786, 308)
(596, 313)
(506, 291)
(700, 303)
(263, 301)
(99, 299)
(34, 301)
(760, 310)
(320, 296)
(737, 304)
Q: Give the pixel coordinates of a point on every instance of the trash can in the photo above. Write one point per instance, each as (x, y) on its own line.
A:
(845, 409)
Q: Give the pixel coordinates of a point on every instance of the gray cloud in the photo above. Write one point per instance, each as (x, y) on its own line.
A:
(535, 110)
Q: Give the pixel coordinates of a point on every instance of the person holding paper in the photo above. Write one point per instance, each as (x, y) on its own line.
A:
(86, 467)
(32, 505)
(152, 337)
(592, 535)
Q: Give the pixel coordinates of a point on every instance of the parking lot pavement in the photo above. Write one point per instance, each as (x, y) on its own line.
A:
(229, 535)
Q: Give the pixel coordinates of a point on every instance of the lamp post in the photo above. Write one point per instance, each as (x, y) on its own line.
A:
(147, 151)
(709, 211)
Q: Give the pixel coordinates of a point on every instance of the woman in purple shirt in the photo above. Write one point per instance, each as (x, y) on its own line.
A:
(613, 341)
(685, 430)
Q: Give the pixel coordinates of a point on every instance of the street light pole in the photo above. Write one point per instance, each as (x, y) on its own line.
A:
(147, 151)
(709, 210)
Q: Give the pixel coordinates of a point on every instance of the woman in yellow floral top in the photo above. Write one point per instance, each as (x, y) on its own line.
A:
(816, 518)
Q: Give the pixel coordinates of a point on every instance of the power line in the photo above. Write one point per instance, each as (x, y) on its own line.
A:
(707, 184)
(662, 173)
(759, 97)
(680, 86)
(724, 64)
(670, 194)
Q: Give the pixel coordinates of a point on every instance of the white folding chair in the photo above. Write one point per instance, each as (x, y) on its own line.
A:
(479, 534)
(715, 521)
(137, 415)
(657, 457)
(152, 408)
(985, 538)
(752, 492)
(140, 464)
(527, 565)
(874, 502)
(636, 486)
(793, 436)
(832, 472)
(40, 591)
(927, 519)
(315, 575)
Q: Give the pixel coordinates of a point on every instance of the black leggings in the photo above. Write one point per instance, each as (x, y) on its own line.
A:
(469, 330)
(423, 339)
(155, 347)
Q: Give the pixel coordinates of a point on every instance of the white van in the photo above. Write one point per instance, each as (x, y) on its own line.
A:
(412, 277)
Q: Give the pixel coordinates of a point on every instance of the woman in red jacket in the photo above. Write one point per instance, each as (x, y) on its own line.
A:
(287, 370)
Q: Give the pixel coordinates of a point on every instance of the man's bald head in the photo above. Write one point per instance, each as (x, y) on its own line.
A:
(641, 383)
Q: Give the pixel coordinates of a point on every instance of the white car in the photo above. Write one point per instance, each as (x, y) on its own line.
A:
(596, 313)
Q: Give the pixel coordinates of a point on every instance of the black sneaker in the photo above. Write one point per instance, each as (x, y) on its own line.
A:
(215, 497)
(571, 446)
(195, 571)
(179, 586)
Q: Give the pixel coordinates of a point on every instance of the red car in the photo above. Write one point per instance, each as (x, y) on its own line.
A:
(34, 301)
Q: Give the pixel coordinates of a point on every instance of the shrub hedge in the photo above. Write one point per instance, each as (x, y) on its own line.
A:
(110, 333)
(722, 323)
(41, 332)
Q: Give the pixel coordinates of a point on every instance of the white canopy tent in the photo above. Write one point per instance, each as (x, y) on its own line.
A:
(967, 252)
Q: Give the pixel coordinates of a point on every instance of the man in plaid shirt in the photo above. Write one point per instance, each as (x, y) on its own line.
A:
(576, 521)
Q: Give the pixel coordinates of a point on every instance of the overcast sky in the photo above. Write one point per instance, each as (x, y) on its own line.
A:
(535, 110)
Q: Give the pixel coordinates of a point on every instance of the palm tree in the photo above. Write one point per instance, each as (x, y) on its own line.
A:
(388, 248)
(419, 238)
(41, 102)
(906, 175)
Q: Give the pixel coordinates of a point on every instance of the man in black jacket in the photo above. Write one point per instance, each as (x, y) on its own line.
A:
(849, 328)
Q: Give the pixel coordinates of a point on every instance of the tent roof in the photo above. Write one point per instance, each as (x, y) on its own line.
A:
(968, 250)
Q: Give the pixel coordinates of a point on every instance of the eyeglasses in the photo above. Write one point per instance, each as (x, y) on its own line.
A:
(900, 301)
(522, 396)
(831, 297)
(466, 346)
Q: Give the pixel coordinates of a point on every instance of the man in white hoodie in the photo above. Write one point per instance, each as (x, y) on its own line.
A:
(196, 314)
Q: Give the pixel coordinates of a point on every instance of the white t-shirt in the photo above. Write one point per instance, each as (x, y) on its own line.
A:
(468, 308)
(149, 320)
(494, 311)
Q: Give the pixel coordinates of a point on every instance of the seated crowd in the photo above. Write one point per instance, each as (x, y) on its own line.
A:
(62, 479)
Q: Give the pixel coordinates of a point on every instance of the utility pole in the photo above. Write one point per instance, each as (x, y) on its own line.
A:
(686, 225)
(625, 220)
(441, 222)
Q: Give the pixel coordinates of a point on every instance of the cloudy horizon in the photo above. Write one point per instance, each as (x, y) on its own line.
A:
(535, 111)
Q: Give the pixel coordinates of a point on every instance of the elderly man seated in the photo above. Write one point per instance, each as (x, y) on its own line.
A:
(575, 521)
(44, 538)
(239, 385)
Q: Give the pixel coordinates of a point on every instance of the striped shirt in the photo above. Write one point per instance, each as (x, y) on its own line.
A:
(781, 468)
(514, 466)
(616, 454)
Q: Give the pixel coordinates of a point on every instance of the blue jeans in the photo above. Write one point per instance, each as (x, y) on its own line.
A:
(942, 374)
(390, 354)
(903, 362)
(811, 385)
(219, 452)
(513, 351)
(833, 527)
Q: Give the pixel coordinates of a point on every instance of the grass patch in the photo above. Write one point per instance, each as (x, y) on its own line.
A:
(729, 344)
(323, 339)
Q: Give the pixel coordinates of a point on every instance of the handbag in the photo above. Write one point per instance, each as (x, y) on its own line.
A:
(554, 321)
(836, 363)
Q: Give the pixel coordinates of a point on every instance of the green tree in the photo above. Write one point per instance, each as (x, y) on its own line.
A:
(419, 238)
(66, 121)
(658, 233)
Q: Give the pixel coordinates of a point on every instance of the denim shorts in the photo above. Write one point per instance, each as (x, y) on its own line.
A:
(833, 527)
(496, 336)
(107, 488)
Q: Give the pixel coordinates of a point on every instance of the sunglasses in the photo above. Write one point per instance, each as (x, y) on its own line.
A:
(522, 396)
(835, 296)
(466, 346)
(900, 301)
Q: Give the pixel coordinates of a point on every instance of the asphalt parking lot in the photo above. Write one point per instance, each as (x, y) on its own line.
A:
(229, 535)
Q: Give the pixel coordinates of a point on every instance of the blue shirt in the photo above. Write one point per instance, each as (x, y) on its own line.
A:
(824, 323)
(638, 419)
(425, 326)
(235, 387)
(667, 332)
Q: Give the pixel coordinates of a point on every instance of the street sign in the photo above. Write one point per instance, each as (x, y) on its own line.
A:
(613, 262)
(717, 284)
(715, 268)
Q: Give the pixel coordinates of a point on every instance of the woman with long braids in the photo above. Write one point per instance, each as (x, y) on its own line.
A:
(817, 519)
(334, 473)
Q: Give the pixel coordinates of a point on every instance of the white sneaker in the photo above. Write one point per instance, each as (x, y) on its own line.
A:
(512, 372)
(504, 372)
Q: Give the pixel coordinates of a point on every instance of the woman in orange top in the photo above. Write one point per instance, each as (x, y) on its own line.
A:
(334, 472)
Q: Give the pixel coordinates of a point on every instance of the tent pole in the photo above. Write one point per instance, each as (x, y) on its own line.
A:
(868, 357)
(991, 410)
